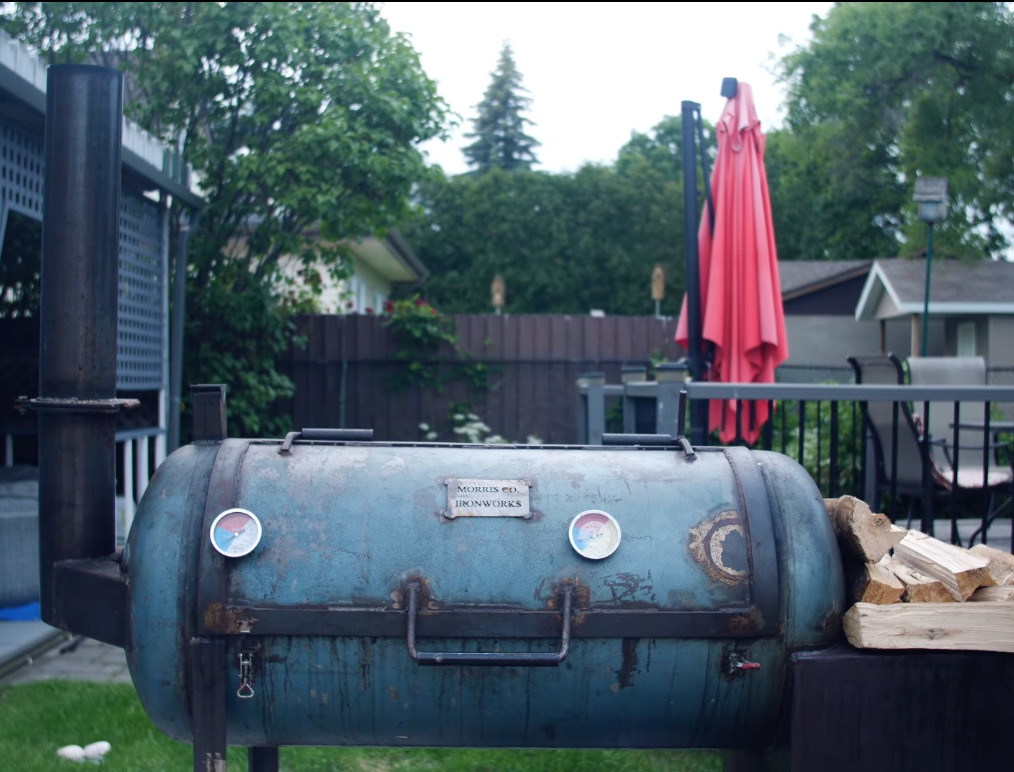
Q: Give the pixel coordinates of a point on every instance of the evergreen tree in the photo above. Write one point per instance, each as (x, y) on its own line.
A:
(500, 138)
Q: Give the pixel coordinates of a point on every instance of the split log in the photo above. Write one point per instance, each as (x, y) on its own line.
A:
(993, 594)
(949, 626)
(919, 588)
(862, 534)
(874, 583)
(1001, 564)
(960, 571)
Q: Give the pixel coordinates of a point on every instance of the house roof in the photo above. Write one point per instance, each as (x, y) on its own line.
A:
(392, 258)
(896, 287)
(23, 76)
(800, 277)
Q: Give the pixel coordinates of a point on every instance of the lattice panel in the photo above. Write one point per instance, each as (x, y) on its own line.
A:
(139, 327)
(21, 164)
(139, 333)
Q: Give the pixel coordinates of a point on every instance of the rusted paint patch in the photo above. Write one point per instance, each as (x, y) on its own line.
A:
(628, 663)
(626, 587)
(393, 692)
(741, 623)
(214, 615)
(708, 546)
(222, 620)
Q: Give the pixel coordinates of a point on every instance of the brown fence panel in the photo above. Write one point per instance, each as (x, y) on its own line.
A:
(533, 361)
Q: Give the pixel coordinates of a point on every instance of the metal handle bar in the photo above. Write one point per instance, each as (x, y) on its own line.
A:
(333, 435)
(487, 658)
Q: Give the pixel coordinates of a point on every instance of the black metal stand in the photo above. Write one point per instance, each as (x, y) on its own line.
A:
(207, 703)
(752, 761)
(263, 760)
(900, 711)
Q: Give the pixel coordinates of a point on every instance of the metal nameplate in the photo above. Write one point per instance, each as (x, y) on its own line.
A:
(487, 498)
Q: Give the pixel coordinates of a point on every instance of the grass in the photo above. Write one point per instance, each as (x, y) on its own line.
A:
(38, 718)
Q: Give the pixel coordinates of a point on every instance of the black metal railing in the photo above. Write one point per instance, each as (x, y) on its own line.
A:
(829, 429)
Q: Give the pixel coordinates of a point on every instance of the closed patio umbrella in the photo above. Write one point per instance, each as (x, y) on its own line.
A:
(741, 298)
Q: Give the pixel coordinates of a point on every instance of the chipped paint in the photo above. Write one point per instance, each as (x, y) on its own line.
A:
(628, 663)
(707, 544)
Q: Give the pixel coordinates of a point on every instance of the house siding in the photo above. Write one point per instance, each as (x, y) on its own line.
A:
(1001, 341)
(828, 341)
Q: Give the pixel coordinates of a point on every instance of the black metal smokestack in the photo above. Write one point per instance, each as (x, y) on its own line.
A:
(77, 361)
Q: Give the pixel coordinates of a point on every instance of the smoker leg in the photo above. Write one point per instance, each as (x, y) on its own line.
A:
(753, 761)
(207, 695)
(263, 760)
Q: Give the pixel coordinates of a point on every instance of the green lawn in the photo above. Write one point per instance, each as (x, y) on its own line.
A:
(38, 718)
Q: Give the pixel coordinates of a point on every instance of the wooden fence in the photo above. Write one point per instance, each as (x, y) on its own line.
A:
(347, 374)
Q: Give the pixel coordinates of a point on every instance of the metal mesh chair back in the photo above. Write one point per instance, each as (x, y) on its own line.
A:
(886, 370)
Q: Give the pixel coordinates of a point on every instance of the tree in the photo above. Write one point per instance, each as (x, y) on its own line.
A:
(564, 243)
(886, 92)
(292, 114)
(500, 138)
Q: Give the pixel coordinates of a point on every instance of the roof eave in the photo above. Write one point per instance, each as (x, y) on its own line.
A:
(823, 284)
(404, 254)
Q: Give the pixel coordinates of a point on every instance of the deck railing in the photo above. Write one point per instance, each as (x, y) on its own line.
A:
(825, 427)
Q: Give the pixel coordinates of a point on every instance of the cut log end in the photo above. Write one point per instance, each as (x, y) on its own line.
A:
(874, 583)
(919, 588)
(960, 571)
(992, 595)
(1000, 564)
(863, 535)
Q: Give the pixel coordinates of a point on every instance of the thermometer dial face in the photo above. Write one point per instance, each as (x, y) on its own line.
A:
(595, 534)
(236, 532)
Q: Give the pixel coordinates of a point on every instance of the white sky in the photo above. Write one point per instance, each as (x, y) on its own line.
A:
(598, 71)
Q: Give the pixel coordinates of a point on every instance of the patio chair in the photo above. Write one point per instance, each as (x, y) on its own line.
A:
(908, 477)
(973, 458)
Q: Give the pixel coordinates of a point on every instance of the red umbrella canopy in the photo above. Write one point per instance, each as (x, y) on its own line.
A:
(741, 296)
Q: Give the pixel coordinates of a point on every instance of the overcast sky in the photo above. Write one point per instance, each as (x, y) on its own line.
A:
(598, 71)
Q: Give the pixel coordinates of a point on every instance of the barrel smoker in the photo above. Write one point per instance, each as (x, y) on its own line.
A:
(329, 589)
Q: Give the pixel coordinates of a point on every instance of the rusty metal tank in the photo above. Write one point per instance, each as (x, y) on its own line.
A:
(615, 597)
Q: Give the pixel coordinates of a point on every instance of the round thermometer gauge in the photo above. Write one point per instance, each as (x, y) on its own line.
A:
(236, 532)
(594, 534)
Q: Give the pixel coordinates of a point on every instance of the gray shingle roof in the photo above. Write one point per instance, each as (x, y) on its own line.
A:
(796, 275)
(953, 281)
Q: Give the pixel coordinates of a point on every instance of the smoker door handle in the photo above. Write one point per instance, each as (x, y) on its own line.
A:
(488, 658)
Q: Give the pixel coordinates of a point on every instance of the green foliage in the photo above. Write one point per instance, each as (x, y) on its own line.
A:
(294, 116)
(419, 331)
(38, 718)
(234, 336)
(499, 129)
(884, 93)
(817, 441)
(20, 267)
(427, 343)
(564, 243)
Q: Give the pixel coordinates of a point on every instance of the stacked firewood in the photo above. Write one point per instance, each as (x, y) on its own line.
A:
(927, 594)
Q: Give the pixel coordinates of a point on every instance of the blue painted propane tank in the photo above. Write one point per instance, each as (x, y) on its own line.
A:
(664, 617)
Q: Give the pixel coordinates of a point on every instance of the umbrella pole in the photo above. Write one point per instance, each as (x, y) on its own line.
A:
(698, 408)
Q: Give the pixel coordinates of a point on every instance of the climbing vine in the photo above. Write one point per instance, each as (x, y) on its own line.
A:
(429, 348)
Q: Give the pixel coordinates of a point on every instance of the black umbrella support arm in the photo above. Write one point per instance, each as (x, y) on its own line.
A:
(698, 409)
(82, 588)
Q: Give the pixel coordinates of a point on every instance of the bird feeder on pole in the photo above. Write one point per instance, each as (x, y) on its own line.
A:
(658, 288)
(499, 293)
